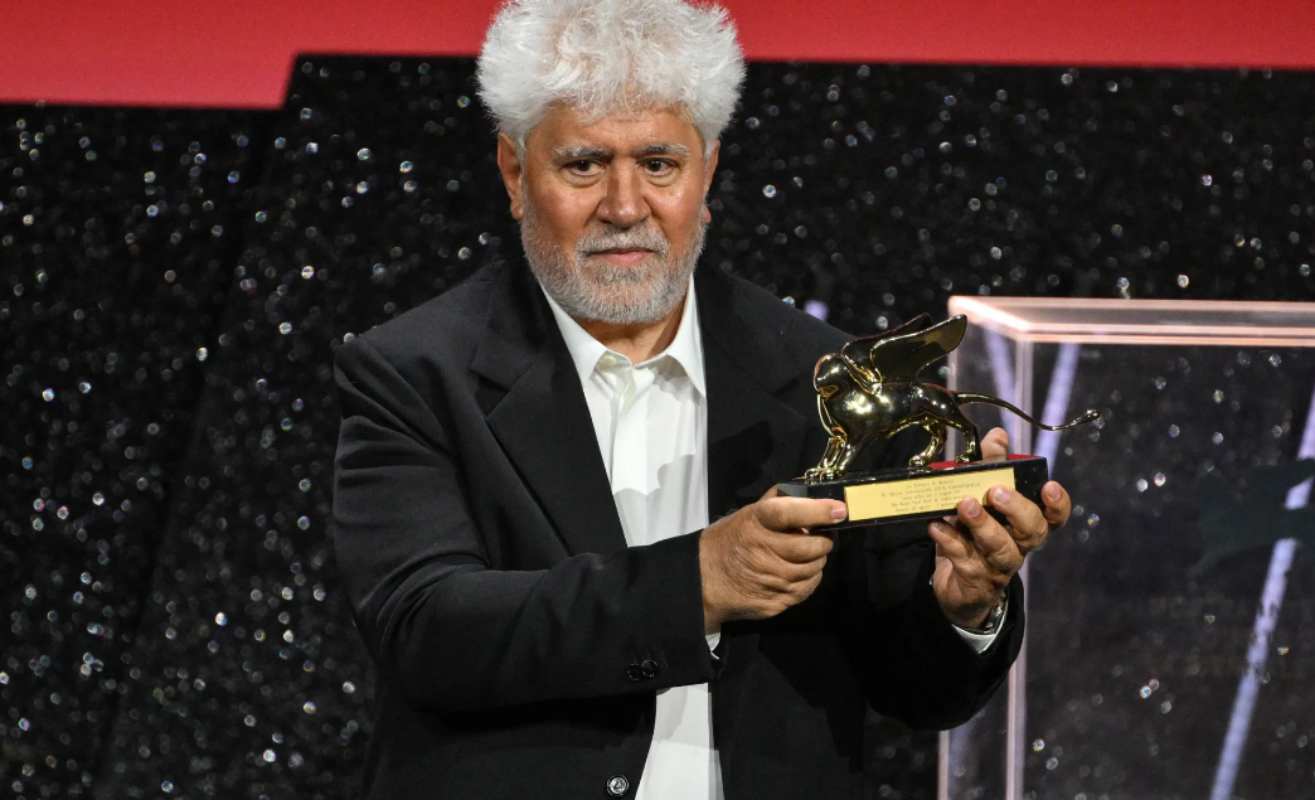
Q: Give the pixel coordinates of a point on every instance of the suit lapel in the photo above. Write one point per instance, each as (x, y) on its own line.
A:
(537, 411)
(755, 437)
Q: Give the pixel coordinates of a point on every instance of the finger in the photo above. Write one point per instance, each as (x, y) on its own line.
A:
(942, 571)
(804, 589)
(950, 543)
(801, 573)
(995, 445)
(997, 547)
(780, 576)
(772, 491)
(790, 557)
(792, 513)
(1027, 525)
(1058, 505)
(797, 549)
(958, 558)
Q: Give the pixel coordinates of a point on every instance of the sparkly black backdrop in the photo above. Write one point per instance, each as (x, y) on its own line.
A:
(174, 283)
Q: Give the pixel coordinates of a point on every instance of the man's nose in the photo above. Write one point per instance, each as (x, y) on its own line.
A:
(624, 204)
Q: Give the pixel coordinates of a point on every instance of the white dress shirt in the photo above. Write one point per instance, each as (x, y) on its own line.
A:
(651, 422)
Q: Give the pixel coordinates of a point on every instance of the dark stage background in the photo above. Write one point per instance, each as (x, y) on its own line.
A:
(174, 282)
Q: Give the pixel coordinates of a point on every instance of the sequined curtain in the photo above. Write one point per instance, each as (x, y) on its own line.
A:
(174, 282)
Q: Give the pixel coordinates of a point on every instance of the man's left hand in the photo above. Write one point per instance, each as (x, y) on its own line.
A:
(976, 556)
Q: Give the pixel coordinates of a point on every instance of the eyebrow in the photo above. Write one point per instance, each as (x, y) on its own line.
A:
(586, 152)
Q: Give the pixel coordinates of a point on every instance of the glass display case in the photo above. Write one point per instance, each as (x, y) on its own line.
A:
(1169, 651)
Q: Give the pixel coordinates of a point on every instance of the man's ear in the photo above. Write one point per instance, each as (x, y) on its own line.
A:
(709, 168)
(512, 170)
(710, 165)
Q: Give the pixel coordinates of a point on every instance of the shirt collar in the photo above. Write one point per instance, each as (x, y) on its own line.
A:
(686, 348)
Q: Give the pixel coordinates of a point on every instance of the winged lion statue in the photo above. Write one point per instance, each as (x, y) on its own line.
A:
(870, 391)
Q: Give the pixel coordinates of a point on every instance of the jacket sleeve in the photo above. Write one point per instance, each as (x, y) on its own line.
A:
(449, 630)
(914, 665)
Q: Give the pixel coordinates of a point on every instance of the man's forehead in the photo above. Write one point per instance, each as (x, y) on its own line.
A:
(656, 130)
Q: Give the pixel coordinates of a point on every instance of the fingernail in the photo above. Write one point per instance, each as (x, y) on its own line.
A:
(1000, 494)
(1051, 492)
(839, 512)
(972, 508)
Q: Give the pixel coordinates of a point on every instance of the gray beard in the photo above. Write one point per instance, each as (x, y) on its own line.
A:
(592, 290)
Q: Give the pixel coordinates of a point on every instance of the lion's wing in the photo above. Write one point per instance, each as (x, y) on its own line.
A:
(860, 350)
(901, 358)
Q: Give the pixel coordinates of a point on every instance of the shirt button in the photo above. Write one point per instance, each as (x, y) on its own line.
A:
(617, 785)
(649, 668)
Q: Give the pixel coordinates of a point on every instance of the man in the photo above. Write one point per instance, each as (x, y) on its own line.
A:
(553, 506)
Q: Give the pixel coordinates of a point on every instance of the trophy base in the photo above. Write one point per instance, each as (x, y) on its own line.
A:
(910, 494)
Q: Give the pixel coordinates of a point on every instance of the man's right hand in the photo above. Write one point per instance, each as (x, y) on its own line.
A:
(761, 560)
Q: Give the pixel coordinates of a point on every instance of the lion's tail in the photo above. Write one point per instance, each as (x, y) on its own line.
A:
(1090, 415)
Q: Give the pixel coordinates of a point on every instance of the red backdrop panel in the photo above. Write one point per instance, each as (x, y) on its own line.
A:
(238, 53)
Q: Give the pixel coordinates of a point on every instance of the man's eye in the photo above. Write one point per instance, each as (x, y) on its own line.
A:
(582, 167)
(657, 166)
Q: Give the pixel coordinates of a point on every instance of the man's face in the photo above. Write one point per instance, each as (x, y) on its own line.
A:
(611, 212)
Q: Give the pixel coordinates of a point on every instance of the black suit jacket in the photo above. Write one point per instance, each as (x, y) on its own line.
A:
(520, 643)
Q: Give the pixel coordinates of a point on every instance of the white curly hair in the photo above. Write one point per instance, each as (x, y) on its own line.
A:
(605, 56)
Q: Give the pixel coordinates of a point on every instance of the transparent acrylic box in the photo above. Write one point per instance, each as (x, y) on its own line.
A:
(1170, 643)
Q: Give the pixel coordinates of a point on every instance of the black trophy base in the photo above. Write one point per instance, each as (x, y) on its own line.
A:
(911, 494)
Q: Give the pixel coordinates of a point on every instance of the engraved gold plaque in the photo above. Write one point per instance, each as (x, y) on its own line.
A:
(904, 495)
(916, 496)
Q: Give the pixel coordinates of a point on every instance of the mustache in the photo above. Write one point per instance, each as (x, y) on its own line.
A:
(637, 239)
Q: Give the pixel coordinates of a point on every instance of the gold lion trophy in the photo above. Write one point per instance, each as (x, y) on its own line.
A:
(869, 392)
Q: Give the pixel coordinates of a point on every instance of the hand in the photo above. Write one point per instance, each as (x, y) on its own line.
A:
(976, 556)
(761, 560)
